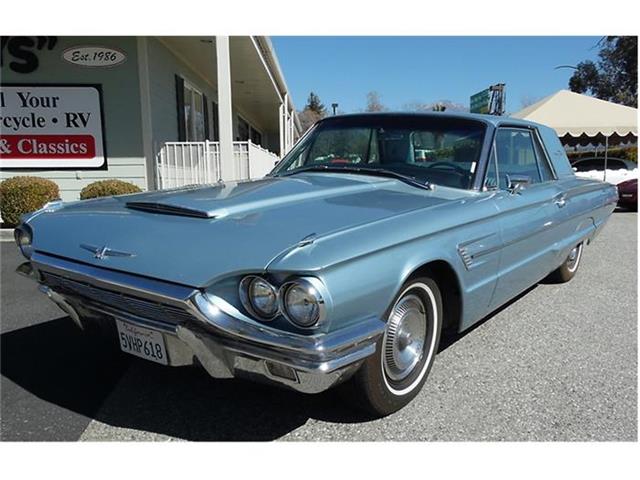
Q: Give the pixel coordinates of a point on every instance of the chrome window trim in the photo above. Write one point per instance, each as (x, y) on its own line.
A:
(543, 149)
(536, 139)
(494, 154)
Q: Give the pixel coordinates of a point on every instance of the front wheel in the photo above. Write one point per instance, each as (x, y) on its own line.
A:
(394, 375)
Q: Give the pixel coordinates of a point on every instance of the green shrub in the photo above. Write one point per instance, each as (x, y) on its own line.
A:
(20, 195)
(625, 153)
(107, 188)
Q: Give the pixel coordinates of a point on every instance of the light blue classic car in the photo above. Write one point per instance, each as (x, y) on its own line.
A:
(372, 237)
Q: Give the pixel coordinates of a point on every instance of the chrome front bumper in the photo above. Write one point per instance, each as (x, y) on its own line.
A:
(205, 329)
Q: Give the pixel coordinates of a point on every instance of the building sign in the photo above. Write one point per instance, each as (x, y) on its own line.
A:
(479, 102)
(51, 126)
(94, 56)
(21, 53)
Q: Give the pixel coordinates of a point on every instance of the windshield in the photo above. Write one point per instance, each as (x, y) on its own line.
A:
(442, 151)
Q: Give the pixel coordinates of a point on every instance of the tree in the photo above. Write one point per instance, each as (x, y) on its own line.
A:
(615, 76)
(313, 111)
(374, 102)
(315, 105)
(307, 118)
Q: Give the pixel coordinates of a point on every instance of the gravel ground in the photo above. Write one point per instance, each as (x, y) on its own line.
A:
(560, 363)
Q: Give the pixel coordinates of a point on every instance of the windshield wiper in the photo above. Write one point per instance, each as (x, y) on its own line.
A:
(383, 172)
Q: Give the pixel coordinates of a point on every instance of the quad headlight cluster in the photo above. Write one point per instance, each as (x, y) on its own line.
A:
(300, 300)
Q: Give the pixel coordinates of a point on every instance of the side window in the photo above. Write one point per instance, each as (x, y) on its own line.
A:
(616, 165)
(517, 155)
(580, 166)
(588, 165)
(545, 169)
(491, 178)
(596, 164)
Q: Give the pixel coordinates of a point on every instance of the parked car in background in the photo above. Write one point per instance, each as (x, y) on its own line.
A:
(374, 235)
(618, 169)
(628, 193)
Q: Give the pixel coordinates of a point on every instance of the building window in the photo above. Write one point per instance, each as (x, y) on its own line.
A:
(194, 114)
(246, 131)
(243, 129)
(256, 136)
(215, 134)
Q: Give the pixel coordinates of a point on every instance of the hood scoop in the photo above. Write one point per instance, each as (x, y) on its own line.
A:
(165, 209)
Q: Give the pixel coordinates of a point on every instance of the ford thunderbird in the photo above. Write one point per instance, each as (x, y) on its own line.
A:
(375, 235)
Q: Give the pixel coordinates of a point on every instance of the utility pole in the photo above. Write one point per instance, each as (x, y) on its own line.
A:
(334, 106)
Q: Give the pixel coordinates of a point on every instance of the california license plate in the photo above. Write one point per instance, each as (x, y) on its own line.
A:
(142, 342)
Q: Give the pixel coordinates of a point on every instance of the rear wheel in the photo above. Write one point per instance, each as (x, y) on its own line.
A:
(394, 375)
(568, 269)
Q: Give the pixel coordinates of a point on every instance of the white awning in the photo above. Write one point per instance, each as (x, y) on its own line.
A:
(577, 115)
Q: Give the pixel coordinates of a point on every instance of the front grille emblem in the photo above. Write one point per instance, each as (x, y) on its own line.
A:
(103, 252)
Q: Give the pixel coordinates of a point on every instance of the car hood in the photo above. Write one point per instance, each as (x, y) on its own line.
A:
(194, 236)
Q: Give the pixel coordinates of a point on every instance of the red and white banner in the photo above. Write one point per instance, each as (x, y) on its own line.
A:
(51, 127)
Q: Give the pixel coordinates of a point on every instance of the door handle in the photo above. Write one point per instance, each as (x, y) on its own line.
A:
(560, 201)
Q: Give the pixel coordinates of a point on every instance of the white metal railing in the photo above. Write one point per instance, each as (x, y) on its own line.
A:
(241, 160)
(189, 163)
(261, 161)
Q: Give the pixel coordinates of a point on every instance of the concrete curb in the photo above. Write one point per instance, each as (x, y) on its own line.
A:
(6, 234)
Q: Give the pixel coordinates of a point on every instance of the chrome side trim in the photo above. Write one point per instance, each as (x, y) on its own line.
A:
(467, 259)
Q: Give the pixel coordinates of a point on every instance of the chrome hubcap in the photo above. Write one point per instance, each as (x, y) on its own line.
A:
(405, 337)
(574, 256)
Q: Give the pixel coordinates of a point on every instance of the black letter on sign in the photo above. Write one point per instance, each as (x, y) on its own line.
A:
(19, 48)
(76, 120)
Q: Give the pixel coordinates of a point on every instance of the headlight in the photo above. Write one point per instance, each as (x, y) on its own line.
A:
(259, 297)
(23, 237)
(302, 303)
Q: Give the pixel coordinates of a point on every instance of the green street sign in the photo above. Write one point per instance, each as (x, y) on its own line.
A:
(479, 102)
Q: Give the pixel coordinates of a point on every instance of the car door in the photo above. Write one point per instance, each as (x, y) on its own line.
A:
(530, 205)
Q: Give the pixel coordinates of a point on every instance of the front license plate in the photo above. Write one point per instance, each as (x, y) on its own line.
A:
(142, 342)
(627, 195)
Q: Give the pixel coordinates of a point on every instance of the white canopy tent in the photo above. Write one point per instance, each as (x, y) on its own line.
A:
(582, 120)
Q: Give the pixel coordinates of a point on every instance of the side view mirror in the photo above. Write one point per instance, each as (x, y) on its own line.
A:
(517, 183)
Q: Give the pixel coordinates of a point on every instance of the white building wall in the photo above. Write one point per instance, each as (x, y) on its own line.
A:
(121, 111)
(163, 66)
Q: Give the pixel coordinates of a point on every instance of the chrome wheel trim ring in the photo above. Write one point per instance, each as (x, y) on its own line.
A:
(574, 258)
(406, 333)
(433, 317)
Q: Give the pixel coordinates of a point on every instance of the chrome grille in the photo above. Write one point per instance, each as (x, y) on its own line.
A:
(125, 303)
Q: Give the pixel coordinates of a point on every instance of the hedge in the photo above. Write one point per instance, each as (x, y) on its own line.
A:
(107, 188)
(626, 153)
(20, 195)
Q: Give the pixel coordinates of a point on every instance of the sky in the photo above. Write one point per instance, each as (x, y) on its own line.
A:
(427, 69)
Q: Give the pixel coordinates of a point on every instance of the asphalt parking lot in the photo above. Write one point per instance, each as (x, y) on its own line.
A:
(559, 363)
